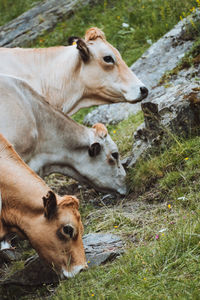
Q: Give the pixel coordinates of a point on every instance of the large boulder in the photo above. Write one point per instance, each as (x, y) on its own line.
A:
(172, 110)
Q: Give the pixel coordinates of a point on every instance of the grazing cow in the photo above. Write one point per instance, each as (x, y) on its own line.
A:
(51, 223)
(91, 72)
(48, 141)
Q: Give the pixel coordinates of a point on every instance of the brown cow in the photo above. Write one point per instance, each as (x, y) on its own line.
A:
(51, 223)
(91, 72)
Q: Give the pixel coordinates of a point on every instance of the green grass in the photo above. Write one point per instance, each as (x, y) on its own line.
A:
(79, 115)
(122, 133)
(10, 9)
(147, 20)
(159, 265)
(167, 268)
(176, 165)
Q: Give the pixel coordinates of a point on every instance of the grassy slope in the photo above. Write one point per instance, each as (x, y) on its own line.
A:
(158, 265)
(163, 261)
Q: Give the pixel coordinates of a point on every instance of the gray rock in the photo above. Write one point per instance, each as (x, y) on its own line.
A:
(8, 255)
(165, 54)
(170, 111)
(111, 113)
(43, 17)
(99, 249)
(162, 56)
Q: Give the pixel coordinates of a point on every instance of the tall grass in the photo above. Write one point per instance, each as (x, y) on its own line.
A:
(10, 9)
(165, 268)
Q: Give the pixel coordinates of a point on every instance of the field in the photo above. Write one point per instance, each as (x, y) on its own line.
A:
(160, 217)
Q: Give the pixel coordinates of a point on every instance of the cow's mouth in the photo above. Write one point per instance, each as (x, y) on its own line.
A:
(75, 270)
(141, 95)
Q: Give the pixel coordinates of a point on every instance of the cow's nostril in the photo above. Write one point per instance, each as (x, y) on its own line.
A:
(84, 268)
(144, 91)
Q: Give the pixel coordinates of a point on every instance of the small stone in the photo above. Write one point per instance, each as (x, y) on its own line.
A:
(8, 255)
(125, 25)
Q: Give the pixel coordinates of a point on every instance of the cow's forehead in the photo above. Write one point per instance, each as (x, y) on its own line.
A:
(110, 144)
(68, 215)
(100, 47)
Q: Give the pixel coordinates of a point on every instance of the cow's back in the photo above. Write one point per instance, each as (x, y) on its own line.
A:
(10, 62)
(17, 121)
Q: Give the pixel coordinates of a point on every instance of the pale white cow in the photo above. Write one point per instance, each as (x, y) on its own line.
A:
(50, 142)
(91, 72)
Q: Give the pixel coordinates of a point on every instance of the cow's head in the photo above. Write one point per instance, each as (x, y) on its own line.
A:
(96, 161)
(57, 235)
(106, 76)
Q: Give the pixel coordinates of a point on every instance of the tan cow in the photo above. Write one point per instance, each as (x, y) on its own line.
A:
(48, 141)
(91, 72)
(51, 223)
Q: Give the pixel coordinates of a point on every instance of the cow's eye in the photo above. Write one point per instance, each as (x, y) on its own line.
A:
(68, 229)
(111, 161)
(115, 155)
(108, 59)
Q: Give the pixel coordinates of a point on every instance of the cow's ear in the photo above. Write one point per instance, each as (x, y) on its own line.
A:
(93, 34)
(50, 205)
(70, 200)
(83, 50)
(94, 149)
(100, 130)
(72, 40)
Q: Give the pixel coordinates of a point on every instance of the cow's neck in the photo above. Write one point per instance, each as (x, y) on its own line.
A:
(22, 191)
(63, 140)
(19, 219)
(19, 180)
(55, 75)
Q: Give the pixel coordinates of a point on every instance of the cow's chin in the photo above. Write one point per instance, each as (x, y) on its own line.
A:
(75, 270)
(122, 191)
(134, 101)
(135, 97)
